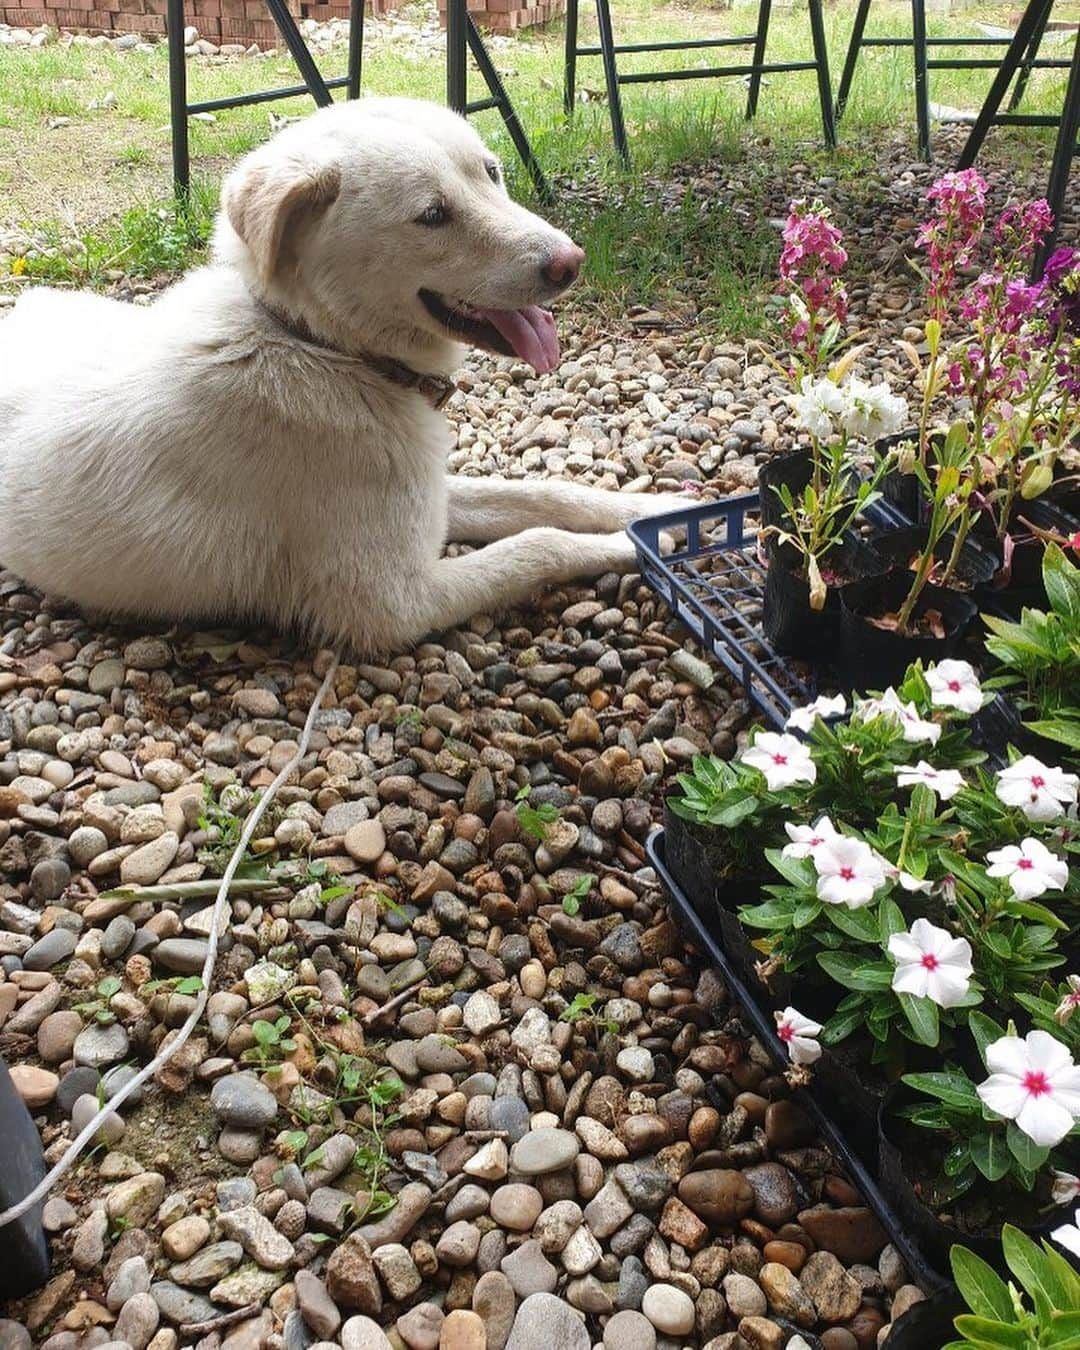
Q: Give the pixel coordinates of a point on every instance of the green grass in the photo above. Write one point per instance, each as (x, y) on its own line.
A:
(651, 240)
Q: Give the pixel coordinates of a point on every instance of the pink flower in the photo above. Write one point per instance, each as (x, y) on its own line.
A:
(849, 872)
(799, 1035)
(1034, 1082)
(1040, 790)
(931, 963)
(1070, 1002)
(1031, 869)
(783, 759)
(807, 839)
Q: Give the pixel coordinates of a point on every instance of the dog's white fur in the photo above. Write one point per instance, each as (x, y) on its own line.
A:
(194, 458)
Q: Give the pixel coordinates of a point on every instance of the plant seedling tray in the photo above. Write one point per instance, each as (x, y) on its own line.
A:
(920, 1269)
(714, 582)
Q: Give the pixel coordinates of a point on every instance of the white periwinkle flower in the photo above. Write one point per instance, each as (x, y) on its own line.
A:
(849, 872)
(873, 410)
(807, 839)
(1070, 1002)
(1030, 867)
(1066, 1188)
(915, 728)
(816, 404)
(782, 758)
(803, 719)
(1068, 1235)
(945, 782)
(931, 963)
(1033, 1081)
(954, 684)
(799, 1034)
(1039, 790)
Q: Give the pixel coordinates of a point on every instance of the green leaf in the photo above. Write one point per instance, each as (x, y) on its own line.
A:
(983, 1289)
(985, 1031)
(990, 1155)
(1024, 1149)
(955, 1089)
(854, 971)
(109, 986)
(1029, 1264)
(191, 985)
(1057, 729)
(982, 1332)
(891, 920)
(1062, 582)
(861, 924)
(922, 1014)
(841, 1025)
(797, 871)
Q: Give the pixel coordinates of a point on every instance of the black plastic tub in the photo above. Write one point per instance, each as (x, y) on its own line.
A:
(813, 1102)
(1024, 584)
(902, 490)
(26, 1252)
(789, 622)
(793, 470)
(898, 548)
(935, 1238)
(873, 657)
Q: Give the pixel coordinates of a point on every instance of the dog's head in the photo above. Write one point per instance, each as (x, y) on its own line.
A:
(386, 226)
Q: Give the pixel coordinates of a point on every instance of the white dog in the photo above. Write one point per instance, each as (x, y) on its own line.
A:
(264, 440)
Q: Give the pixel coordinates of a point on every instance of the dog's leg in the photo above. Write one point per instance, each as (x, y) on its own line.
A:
(507, 572)
(480, 510)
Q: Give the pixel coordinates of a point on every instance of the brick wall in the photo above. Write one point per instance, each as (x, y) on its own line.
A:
(241, 21)
(506, 16)
(244, 21)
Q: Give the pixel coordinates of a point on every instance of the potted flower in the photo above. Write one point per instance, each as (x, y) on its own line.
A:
(812, 498)
(1003, 351)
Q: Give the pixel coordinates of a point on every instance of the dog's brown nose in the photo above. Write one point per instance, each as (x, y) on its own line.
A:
(564, 265)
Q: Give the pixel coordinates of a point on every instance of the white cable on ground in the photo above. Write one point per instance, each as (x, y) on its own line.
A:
(87, 1134)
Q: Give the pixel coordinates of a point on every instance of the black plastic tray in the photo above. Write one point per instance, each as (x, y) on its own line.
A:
(920, 1269)
(714, 582)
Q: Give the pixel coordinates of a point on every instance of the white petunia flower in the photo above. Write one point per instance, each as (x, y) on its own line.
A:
(931, 963)
(915, 728)
(1031, 868)
(849, 872)
(1066, 1188)
(782, 758)
(1068, 1235)
(1070, 1002)
(873, 410)
(803, 719)
(816, 404)
(945, 782)
(1040, 791)
(954, 684)
(799, 1034)
(1033, 1081)
(806, 839)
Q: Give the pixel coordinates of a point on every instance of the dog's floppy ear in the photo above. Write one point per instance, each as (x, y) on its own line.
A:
(264, 200)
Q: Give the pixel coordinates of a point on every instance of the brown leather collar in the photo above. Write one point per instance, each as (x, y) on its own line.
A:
(436, 389)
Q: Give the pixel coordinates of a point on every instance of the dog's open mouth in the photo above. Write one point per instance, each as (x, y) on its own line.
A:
(528, 333)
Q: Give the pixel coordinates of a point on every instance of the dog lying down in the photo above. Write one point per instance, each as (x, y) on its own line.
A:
(265, 439)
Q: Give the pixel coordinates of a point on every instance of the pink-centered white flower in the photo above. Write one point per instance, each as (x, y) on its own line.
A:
(782, 758)
(799, 1034)
(1070, 1002)
(1041, 791)
(807, 839)
(1033, 1081)
(1068, 1235)
(1065, 1189)
(803, 719)
(931, 963)
(954, 684)
(916, 729)
(945, 782)
(849, 872)
(1030, 867)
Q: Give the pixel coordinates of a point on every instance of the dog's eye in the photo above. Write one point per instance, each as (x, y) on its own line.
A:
(492, 170)
(436, 214)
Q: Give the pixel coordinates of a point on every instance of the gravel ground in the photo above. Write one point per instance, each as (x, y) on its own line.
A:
(454, 995)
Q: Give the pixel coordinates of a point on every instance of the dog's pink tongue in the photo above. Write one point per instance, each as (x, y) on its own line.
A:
(531, 333)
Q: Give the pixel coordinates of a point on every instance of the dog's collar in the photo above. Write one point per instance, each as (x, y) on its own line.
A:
(436, 389)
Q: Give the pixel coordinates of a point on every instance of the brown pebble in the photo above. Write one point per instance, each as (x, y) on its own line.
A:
(790, 1254)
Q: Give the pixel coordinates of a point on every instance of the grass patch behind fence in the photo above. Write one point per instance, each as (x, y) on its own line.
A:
(96, 186)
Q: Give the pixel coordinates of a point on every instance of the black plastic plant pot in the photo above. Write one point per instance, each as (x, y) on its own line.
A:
(26, 1253)
(788, 620)
(793, 470)
(928, 1323)
(1025, 583)
(853, 1101)
(697, 862)
(902, 490)
(899, 550)
(901, 1152)
(873, 656)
